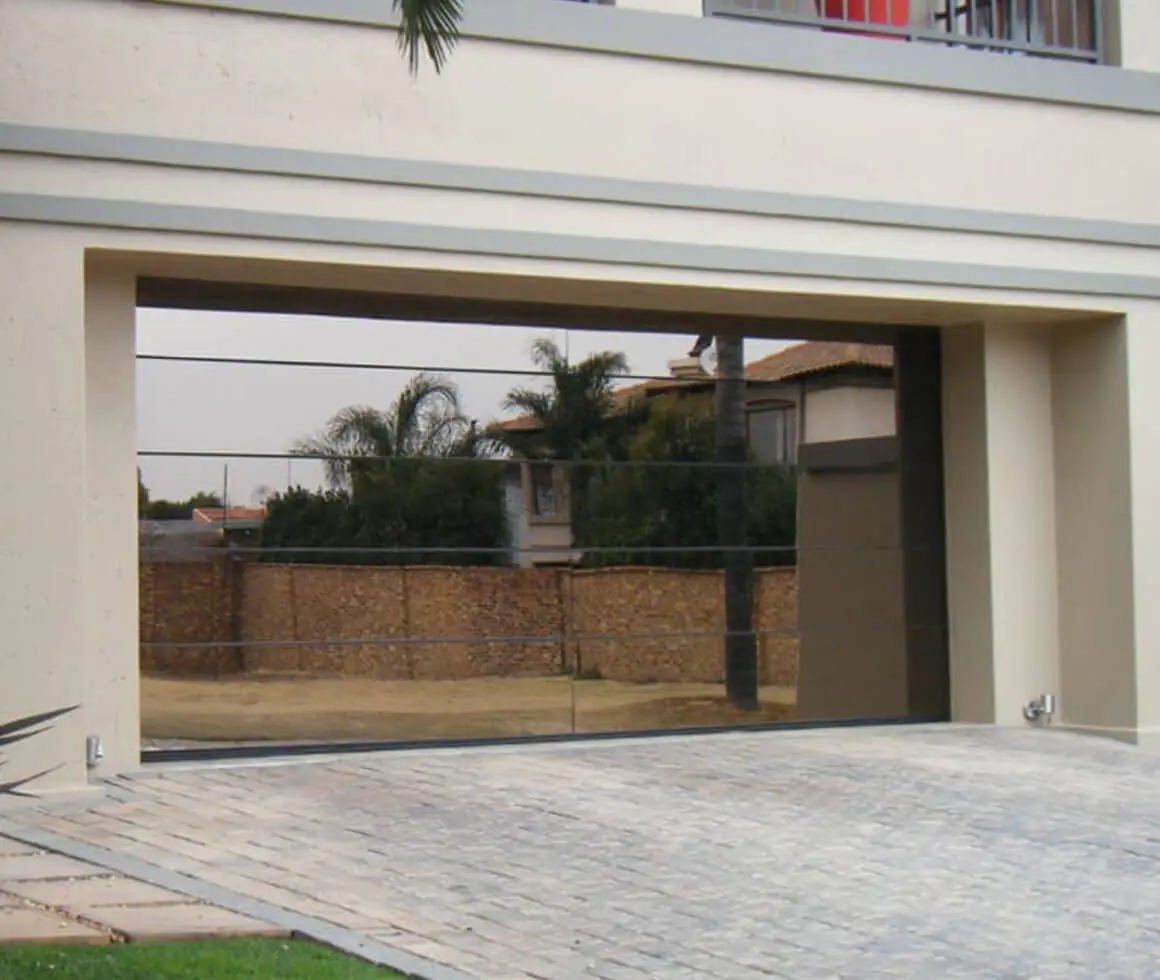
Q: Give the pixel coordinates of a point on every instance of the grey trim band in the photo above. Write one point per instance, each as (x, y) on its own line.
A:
(142, 216)
(346, 940)
(82, 144)
(727, 43)
(849, 454)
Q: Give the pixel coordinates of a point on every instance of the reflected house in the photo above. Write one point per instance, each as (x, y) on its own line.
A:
(206, 528)
(814, 392)
(229, 519)
(538, 508)
(829, 410)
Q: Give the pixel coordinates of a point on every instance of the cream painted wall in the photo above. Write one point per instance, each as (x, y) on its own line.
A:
(1142, 326)
(1041, 493)
(1021, 517)
(74, 614)
(1003, 589)
(1093, 499)
(68, 577)
(43, 652)
(1138, 34)
(848, 412)
(968, 517)
(111, 624)
(27, 174)
(67, 564)
(334, 88)
(692, 8)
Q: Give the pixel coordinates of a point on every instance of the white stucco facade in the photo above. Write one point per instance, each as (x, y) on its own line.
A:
(608, 157)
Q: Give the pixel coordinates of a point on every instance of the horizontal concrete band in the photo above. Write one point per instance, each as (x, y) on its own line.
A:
(761, 47)
(875, 453)
(142, 216)
(252, 159)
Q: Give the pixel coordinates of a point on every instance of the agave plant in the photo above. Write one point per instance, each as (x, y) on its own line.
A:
(19, 730)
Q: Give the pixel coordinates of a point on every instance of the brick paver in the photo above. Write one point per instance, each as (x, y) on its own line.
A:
(933, 853)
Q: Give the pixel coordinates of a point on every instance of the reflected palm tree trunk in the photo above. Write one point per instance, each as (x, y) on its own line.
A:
(732, 524)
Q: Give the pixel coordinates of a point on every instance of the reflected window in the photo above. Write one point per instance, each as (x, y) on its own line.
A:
(545, 500)
(546, 497)
(773, 433)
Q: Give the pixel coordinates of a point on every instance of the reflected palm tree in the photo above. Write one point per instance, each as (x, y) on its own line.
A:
(424, 421)
(575, 415)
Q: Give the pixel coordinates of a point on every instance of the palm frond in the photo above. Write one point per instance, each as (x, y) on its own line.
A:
(477, 443)
(316, 447)
(359, 441)
(428, 26)
(604, 363)
(427, 405)
(537, 403)
(360, 430)
(356, 431)
(546, 354)
(439, 435)
(573, 412)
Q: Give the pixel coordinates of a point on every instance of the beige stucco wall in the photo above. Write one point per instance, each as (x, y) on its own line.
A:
(1020, 309)
(1021, 510)
(217, 76)
(1135, 29)
(110, 704)
(848, 412)
(68, 563)
(42, 568)
(1050, 534)
(690, 8)
(1141, 445)
(1097, 624)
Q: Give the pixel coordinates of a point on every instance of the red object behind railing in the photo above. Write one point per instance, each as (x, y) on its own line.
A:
(894, 13)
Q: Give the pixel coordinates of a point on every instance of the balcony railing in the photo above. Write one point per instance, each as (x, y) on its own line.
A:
(1064, 29)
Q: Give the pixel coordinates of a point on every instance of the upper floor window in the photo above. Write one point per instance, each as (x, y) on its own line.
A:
(1068, 29)
(545, 502)
(546, 493)
(772, 431)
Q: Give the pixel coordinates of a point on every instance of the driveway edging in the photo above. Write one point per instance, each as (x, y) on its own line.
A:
(319, 930)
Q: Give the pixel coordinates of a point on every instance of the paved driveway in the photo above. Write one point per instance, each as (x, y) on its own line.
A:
(928, 853)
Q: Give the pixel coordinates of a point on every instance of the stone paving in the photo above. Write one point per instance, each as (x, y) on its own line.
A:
(931, 853)
(51, 898)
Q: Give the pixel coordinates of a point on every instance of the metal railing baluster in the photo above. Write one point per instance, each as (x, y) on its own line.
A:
(1034, 27)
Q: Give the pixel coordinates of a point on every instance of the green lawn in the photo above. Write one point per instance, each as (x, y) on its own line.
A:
(230, 959)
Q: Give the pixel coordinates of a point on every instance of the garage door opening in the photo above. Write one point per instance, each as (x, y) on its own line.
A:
(446, 528)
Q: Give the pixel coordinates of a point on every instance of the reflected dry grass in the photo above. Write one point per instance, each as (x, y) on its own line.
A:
(297, 708)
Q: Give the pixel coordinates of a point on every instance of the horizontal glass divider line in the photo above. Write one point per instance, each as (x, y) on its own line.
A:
(413, 368)
(177, 550)
(544, 639)
(482, 460)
